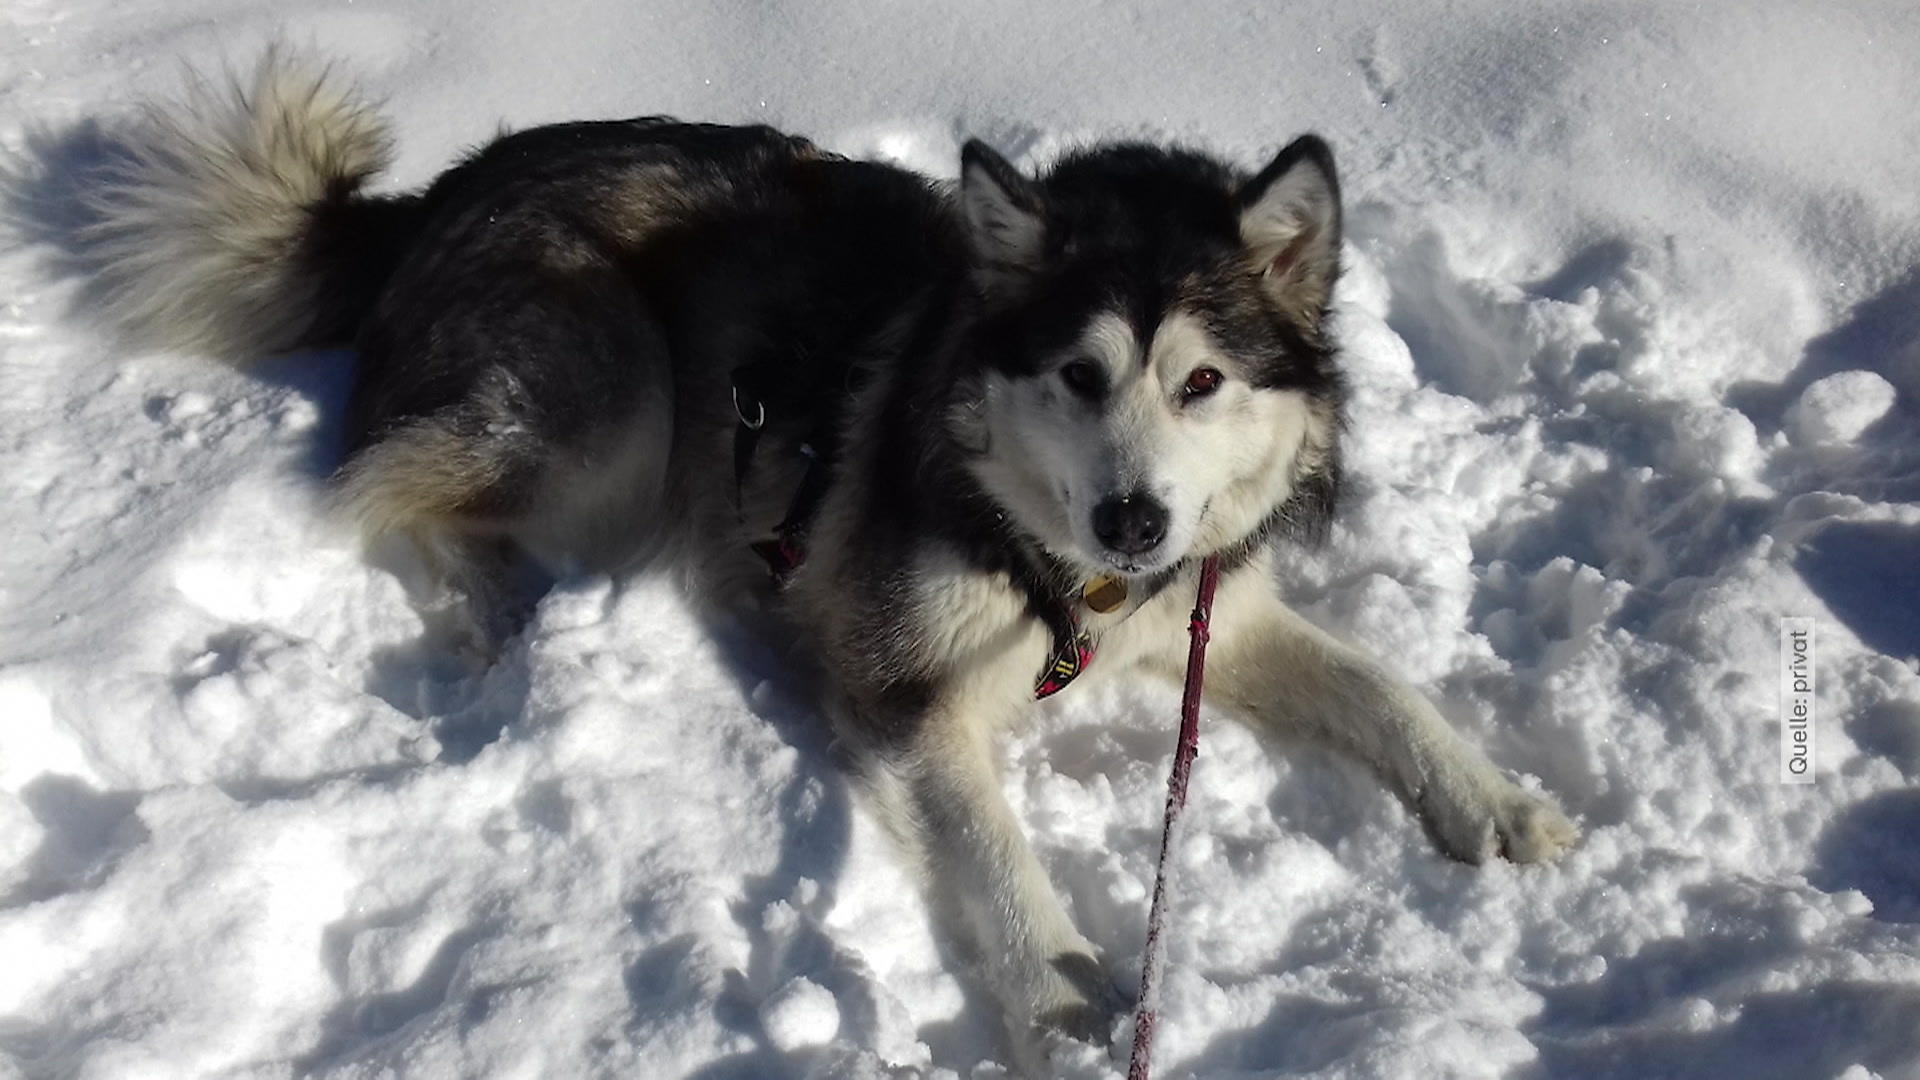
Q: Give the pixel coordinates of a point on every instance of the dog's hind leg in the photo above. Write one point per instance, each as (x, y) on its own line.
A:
(479, 599)
(455, 485)
(511, 400)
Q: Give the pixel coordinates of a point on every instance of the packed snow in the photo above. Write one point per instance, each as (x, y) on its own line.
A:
(1633, 324)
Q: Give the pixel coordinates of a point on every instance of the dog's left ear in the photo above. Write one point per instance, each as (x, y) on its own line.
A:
(1290, 224)
(1006, 218)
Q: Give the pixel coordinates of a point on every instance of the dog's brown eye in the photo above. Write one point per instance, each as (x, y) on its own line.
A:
(1203, 381)
(1083, 377)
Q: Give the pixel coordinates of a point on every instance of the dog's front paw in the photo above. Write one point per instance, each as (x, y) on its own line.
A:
(1491, 816)
(1079, 1000)
(1067, 1023)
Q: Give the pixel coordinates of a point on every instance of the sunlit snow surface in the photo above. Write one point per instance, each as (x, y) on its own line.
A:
(1634, 333)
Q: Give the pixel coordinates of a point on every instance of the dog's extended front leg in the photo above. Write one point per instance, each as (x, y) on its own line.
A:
(1282, 673)
(938, 791)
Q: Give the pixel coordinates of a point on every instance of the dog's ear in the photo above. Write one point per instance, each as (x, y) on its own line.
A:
(1006, 217)
(1290, 224)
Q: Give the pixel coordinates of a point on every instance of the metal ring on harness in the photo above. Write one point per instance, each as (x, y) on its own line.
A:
(759, 415)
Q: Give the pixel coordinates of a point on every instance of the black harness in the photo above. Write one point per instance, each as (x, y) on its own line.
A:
(783, 552)
(752, 390)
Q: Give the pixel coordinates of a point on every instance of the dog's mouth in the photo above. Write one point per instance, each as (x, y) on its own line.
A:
(1095, 560)
(1129, 566)
(1146, 563)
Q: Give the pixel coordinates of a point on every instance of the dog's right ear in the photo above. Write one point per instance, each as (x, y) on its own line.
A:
(1006, 217)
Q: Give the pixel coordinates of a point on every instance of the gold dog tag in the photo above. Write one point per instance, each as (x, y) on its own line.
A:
(1105, 593)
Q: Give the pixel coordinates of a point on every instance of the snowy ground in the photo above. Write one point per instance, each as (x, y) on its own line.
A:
(1635, 329)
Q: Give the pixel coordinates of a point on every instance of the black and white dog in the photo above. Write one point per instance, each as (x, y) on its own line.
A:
(983, 433)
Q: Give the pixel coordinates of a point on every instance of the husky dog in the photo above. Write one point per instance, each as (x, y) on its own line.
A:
(985, 432)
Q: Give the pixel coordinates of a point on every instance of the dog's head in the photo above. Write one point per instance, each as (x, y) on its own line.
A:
(1154, 378)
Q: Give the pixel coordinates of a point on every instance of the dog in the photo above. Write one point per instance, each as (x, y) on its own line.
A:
(971, 442)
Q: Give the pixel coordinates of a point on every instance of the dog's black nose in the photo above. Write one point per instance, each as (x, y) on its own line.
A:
(1132, 524)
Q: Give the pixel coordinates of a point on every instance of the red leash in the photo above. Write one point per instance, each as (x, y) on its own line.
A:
(1141, 1063)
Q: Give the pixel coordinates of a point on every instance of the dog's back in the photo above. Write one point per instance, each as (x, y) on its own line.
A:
(547, 333)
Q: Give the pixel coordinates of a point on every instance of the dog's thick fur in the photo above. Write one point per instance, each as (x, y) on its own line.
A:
(1017, 386)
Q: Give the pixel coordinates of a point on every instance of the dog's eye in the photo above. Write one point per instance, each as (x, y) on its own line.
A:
(1084, 377)
(1202, 382)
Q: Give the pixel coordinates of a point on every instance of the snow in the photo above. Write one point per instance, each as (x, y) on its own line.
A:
(1838, 408)
(1633, 323)
(800, 1014)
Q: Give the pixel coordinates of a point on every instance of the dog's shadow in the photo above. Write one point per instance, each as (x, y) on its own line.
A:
(48, 195)
(817, 809)
(782, 910)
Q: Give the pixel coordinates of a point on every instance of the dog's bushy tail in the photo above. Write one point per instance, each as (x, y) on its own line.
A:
(233, 222)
